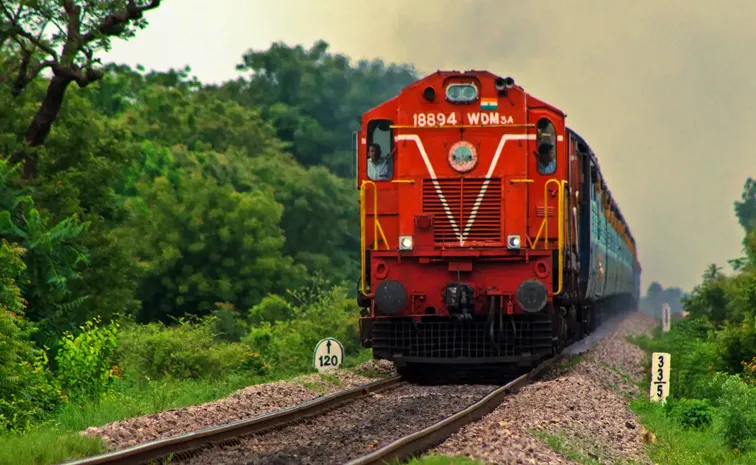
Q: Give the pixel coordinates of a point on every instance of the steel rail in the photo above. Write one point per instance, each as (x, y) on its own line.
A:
(420, 441)
(195, 440)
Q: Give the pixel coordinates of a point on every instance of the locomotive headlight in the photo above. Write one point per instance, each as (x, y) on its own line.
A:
(405, 242)
(513, 242)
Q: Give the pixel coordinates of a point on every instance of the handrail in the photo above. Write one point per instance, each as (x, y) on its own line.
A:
(560, 226)
(376, 229)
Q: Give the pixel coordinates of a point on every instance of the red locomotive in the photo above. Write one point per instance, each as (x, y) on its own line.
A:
(488, 233)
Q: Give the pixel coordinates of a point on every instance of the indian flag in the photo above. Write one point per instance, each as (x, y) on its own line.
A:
(489, 104)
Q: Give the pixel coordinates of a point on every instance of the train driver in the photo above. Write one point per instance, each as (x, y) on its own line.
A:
(546, 158)
(379, 168)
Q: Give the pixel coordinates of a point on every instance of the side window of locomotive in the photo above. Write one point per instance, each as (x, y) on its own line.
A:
(380, 150)
(545, 147)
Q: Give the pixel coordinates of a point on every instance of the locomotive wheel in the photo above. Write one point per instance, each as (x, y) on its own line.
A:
(562, 332)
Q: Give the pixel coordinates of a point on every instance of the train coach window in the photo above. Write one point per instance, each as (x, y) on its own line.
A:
(545, 147)
(380, 151)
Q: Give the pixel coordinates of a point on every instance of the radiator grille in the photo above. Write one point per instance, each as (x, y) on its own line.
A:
(450, 339)
(461, 195)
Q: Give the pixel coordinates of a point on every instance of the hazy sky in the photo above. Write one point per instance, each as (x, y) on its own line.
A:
(664, 92)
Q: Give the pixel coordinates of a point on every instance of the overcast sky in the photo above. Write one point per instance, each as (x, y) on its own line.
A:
(664, 92)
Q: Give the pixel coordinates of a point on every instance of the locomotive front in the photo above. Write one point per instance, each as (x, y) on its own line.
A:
(461, 180)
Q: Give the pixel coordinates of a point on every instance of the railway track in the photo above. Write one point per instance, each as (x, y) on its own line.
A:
(190, 442)
(382, 413)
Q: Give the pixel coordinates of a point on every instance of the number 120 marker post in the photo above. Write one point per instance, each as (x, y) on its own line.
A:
(329, 353)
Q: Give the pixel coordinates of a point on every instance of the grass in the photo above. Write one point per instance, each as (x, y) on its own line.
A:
(675, 445)
(574, 452)
(57, 439)
(45, 446)
(444, 460)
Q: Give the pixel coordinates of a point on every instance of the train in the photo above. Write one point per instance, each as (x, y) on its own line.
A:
(488, 236)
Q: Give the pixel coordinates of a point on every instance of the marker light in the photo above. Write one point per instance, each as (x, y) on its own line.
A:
(405, 242)
(513, 242)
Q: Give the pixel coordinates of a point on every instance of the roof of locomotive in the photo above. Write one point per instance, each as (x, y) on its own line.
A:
(440, 76)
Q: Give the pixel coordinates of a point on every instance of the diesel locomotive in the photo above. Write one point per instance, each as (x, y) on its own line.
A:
(488, 233)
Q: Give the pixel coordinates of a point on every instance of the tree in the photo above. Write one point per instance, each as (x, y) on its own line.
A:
(709, 300)
(654, 296)
(78, 31)
(746, 208)
(315, 99)
(201, 243)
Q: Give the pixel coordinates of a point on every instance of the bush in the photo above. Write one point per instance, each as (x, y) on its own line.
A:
(27, 389)
(749, 372)
(228, 325)
(316, 312)
(689, 413)
(738, 414)
(695, 357)
(86, 367)
(736, 344)
(189, 350)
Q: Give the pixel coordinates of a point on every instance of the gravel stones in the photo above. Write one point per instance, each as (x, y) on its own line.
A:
(378, 368)
(582, 409)
(351, 430)
(245, 403)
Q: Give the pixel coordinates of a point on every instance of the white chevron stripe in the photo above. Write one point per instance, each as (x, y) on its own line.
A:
(419, 143)
(416, 139)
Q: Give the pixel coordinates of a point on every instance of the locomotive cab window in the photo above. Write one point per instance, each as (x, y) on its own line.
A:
(545, 147)
(380, 150)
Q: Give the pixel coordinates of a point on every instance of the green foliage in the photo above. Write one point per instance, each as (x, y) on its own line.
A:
(52, 257)
(228, 323)
(689, 413)
(709, 300)
(314, 98)
(157, 199)
(436, 459)
(26, 388)
(82, 161)
(317, 311)
(47, 447)
(694, 356)
(749, 371)
(676, 445)
(202, 243)
(188, 350)
(86, 367)
(738, 412)
(745, 209)
(200, 121)
(737, 344)
(12, 268)
(309, 196)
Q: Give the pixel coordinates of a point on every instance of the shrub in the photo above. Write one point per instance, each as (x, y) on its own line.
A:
(738, 414)
(86, 367)
(27, 389)
(189, 350)
(316, 312)
(228, 325)
(689, 413)
(736, 344)
(749, 372)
